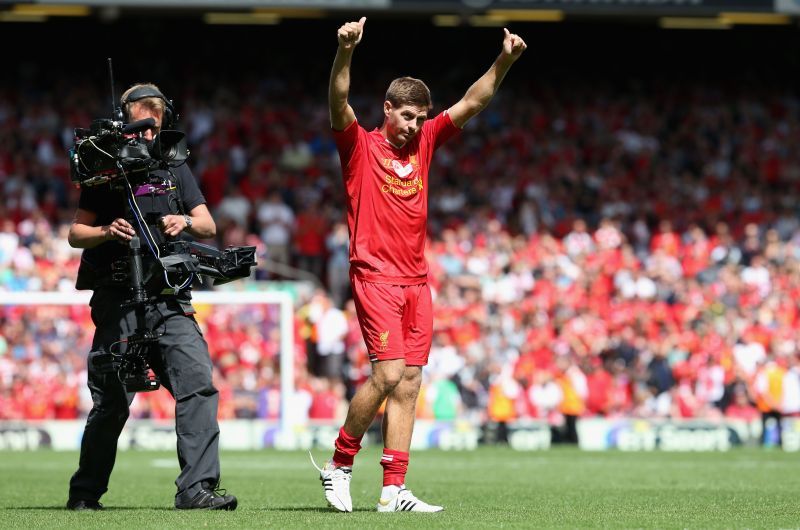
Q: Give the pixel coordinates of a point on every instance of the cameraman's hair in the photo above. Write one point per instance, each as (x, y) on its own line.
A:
(409, 91)
(154, 103)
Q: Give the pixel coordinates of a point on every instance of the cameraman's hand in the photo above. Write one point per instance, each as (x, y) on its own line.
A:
(172, 225)
(120, 229)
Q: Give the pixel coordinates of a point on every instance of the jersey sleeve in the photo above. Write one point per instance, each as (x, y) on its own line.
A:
(346, 141)
(440, 129)
(190, 191)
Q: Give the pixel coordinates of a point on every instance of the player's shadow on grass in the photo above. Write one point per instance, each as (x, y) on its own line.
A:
(318, 509)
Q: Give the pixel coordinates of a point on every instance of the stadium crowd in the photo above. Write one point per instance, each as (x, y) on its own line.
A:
(592, 253)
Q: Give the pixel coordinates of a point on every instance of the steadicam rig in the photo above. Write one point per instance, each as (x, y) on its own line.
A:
(115, 153)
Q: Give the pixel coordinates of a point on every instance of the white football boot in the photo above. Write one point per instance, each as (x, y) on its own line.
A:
(336, 483)
(405, 501)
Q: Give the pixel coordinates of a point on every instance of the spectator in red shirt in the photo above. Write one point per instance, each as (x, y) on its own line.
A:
(741, 407)
(326, 399)
(599, 383)
(309, 239)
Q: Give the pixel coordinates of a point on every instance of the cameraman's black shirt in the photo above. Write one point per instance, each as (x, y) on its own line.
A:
(109, 204)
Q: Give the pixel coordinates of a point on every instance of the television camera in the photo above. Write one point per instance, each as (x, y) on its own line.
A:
(109, 149)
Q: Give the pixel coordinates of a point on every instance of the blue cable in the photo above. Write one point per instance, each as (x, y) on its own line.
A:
(142, 229)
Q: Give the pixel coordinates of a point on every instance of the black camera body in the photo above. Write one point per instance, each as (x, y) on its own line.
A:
(186, 257)
(109, 149)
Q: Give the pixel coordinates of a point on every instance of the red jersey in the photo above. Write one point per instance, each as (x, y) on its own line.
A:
(387, 200)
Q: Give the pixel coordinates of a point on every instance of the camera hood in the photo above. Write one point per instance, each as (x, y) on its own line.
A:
(169, 146)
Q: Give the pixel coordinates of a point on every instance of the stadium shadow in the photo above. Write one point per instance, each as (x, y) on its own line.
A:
(61, 508)
(170, 509)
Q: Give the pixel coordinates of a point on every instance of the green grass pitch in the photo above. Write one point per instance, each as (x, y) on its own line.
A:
(487, 488)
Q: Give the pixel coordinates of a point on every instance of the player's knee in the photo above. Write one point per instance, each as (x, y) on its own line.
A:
(412, 376)
(386, 383)
(408, 391)
(388, 377)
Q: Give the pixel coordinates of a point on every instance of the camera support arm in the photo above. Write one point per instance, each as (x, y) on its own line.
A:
(133, 366)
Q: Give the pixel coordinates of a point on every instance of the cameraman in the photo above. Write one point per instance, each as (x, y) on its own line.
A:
(169, 203)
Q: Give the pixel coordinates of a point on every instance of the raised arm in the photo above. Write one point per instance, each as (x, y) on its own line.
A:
(349, 35)
(483, 90)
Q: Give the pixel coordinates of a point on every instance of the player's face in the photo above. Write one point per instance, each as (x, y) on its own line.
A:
(140, 112)
(403, 122)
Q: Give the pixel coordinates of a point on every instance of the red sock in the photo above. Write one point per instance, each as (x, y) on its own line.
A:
(347, 448)
(395, 465)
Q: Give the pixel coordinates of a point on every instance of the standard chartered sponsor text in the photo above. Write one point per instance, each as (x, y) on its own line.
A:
(408, 187)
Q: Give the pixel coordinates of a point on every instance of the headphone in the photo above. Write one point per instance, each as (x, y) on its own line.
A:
(170, 117)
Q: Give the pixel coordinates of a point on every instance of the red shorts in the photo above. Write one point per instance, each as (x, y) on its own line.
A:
(396, 320)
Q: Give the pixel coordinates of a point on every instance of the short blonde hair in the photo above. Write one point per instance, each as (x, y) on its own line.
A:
(154, 103)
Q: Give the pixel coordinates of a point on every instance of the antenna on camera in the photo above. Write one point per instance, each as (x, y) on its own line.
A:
(116, 111)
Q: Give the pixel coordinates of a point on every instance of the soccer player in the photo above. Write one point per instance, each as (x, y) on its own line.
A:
(386, 179)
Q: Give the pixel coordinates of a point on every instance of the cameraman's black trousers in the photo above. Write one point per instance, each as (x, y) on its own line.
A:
(181, 361)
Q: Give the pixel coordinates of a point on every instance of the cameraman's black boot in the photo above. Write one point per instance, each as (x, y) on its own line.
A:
(207, 499)
(79, 505)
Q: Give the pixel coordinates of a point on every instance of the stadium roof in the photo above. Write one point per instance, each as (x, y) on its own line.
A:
(699, 14)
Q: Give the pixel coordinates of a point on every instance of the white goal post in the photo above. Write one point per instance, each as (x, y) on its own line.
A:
(286, 323)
